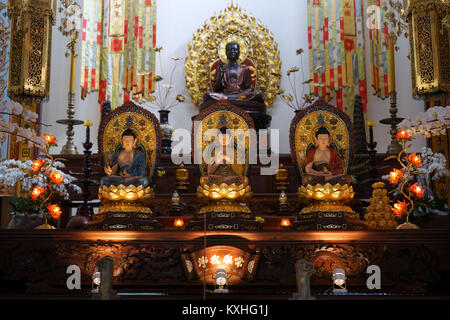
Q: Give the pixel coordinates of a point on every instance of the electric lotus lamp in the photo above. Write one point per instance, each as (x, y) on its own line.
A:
(415, 159)
(399, 208)
(402, 135)
(54, 210)
(49, 138)
(56, 177)
(417, 189)
(36, 193)
(37, 165)
(395, 175)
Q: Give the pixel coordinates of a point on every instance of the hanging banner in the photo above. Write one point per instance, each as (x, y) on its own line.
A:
(379, 48)
(121, 51)
(336, 51)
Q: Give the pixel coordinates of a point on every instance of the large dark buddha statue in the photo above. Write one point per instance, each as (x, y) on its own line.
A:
(323, 163)
(128, 164)
(233, 81)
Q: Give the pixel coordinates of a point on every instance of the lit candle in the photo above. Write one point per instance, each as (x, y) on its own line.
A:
(88, 124)
(392, 62)
(371, 124)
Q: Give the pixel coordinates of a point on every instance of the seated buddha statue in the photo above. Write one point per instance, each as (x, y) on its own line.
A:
(233, 80)
(223, 170)
(323, 163)
(128, 164)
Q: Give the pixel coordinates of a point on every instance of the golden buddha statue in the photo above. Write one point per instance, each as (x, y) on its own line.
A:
(223, 170)
(323, 163)
(129, 143)
(321, 138)
(128, 164)
(223, 187)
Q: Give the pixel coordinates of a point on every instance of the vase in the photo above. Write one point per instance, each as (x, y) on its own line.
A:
(167, 131)
(25, 220)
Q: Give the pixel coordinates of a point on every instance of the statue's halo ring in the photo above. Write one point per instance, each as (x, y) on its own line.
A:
(242, 44)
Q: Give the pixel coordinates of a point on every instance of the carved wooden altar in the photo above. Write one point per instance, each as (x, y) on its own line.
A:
(413, 263)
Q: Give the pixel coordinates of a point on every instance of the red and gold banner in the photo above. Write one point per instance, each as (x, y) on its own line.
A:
(380, 59)
(336, 51)
(119, 38)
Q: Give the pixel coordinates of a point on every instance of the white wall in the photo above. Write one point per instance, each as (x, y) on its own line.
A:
(177, 21)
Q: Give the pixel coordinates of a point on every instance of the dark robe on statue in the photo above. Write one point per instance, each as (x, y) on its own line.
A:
(138, 171)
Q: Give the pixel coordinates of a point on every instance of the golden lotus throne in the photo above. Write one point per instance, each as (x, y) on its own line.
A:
(326, 196)
(126, 207)
(226, 190)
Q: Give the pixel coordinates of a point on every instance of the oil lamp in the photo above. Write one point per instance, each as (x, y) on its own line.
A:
(285, 223)
(178, 223)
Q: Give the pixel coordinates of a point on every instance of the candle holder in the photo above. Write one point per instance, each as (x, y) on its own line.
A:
(372, 151)
(85, 211)
(71, 15)
(394, 147)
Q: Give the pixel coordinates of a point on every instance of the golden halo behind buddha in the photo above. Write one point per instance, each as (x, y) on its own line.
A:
(242, 44)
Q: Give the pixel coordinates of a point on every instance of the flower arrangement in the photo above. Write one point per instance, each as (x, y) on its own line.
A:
(433, 122)
(413, 181)
(41, 178)
(298, 99)
(401, 178)
(162, 97)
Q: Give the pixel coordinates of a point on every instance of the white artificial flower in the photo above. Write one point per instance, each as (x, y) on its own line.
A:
(30, 116)
(16, 108)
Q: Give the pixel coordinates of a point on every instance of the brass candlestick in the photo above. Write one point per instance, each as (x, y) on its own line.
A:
(68, 27)
(69, 147)
(394, 147)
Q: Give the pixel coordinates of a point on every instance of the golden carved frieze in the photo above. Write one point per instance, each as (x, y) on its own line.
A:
(258, 50)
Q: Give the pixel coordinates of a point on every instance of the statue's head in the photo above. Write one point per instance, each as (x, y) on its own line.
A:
(129, 139)
(233, 51)
(322, 138)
